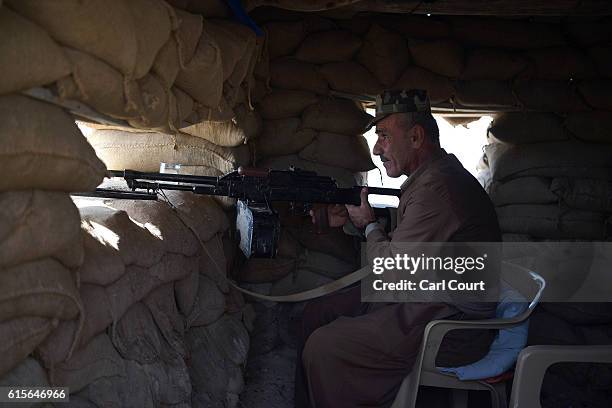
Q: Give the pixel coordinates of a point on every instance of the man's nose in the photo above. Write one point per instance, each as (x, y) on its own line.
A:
(377, 149)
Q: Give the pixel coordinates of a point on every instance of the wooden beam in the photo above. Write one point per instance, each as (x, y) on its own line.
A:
(490, 7)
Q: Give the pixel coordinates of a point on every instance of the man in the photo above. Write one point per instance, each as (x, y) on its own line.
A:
(356, 354)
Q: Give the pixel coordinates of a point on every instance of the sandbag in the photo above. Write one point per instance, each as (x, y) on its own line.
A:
(555, 159)
(260, 270)
(186, 291)
(522, 190)
(201, 214)
(284, 37)
(184, 105)
(19, 337)
(328, 46)
(343, 177)
(209, 8)
(209, 304)
(233, 40)
(202, 76)
(444, 57)
(336, 115)
(38, 224)
(105, 30)
(439, 88)
(350, 77)
(188, 34)
(100, 86)
(596, 93)
(333, 242)
(293, 74)
(521, 127)
(43, 148)
(384, 54)
(136, 337)
(35, 59)
(41, 288)
(494, 64)
(283, 136)
(28, 373)
(230, 338)
(548, 96)
(551, 221)
(349, 152)
(324, 264)
(413, 26)
(213, 263)
(281, 104)
(220, 133)
(249, 121)
(167, 63)
(603, 61)
(500, 33)
(299, 281)
(163, 222)
(156, 103)
(117, 150)
(593, 126)
(102, 264)
(485, 94)
(584, 194)
(561, 63)
(135, 244)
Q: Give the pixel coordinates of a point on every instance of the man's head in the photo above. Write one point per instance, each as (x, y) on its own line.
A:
(407, 132)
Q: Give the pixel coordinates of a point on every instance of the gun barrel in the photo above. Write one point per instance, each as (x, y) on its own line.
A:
(385, 191)
(177, 178)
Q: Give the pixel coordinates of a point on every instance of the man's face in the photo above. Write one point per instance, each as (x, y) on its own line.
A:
(394, 146)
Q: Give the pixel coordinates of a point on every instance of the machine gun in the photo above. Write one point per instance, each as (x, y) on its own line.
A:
(255, 190)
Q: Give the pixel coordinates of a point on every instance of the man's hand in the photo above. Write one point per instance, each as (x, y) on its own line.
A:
(337, 215)
(364, 214)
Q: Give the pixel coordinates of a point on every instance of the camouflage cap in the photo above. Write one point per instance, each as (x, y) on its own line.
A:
(399, 101)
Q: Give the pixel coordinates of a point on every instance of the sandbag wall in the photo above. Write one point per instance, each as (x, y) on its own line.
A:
(551, 182)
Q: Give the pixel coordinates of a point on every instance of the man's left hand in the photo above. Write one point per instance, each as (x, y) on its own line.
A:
(363, 214)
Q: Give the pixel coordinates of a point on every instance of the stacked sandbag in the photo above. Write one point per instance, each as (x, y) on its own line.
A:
(44, 157)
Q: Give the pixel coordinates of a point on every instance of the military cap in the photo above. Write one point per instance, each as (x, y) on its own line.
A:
(399, 101)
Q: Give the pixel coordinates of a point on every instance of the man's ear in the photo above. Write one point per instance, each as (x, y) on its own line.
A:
(418, 136)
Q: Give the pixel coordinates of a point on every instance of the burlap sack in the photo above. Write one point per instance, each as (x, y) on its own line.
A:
(325, 264)
(485, 94)
(230, 338)
(561, 63)
(202, 77)
(260, 270)
(282, 136)
(328, 46)
(336, 115)
(555, 159)
(495, 64)
(186, 291)
(519, 128)
(596, 93)
(35, 59)
(163, 222)
(233, 40)
(40, 133)
(343, 177)
(439, 88)
(209, 304)
(213, 263)
(349, 152)
(443, 57)
(135, 244)
(600, 54)
(299, 281)
(550, 221)
(289, 73)
(37, 224)
(385, 54)
(283, 38)
(102, 264)
(583, 194)
(548, 96)
(188, 34)
(333, 242)
(100, 86)
(106, 30)
(350, 77)
(285, 104)
(156, 103)
(136, 337)
(249, 121)
(28, 373)
(117, 150)
(500, 33)
(522, 190)
(19, 337)
(184, 105)
(201, 214)
(220, 133)
(593, 126)
(167, 62)
(412, 26)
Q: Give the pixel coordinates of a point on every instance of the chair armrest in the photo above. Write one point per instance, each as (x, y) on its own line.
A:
(533, 362)
(437, 329)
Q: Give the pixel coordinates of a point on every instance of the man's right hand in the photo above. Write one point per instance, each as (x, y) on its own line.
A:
(337, 215)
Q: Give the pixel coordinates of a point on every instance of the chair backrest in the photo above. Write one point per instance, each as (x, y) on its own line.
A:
(524, 281)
